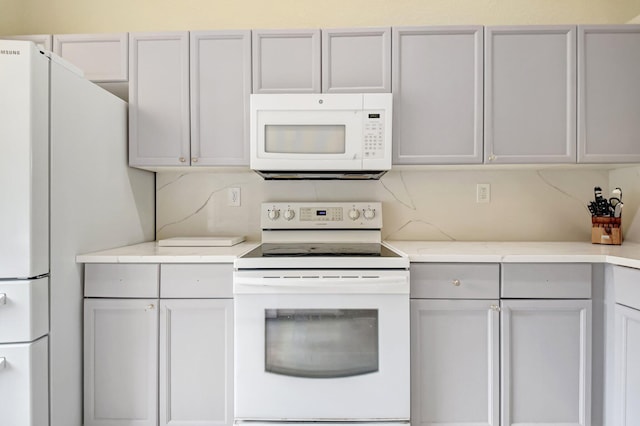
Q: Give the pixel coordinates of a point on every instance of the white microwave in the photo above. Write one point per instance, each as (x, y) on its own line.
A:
(321, 136)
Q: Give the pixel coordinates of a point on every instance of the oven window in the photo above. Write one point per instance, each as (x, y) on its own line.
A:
(321, 343)
(305, 139)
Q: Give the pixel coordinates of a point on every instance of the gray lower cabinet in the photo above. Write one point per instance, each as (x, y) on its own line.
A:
(530, 94)
(196, 362)
(166, 359)
(545, 338)
(627, 366)
(454, 344)
(454, 362)
(189, 97)
(438, 95)
(541, 353)
(545, 362)
(626, 359)
(120, 362)
(608, 94)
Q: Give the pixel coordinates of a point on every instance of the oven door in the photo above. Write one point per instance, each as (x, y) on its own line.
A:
(322, 348)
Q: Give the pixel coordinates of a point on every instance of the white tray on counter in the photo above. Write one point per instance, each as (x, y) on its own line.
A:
(201, 241)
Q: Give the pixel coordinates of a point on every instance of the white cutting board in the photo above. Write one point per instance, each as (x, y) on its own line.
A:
(200, 241)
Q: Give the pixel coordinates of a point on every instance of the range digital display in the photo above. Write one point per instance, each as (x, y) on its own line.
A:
(321, 212)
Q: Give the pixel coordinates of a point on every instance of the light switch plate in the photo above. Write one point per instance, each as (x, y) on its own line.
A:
(483, 193)
(234, 197)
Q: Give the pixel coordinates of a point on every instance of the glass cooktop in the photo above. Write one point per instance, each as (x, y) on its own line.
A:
(321, 250)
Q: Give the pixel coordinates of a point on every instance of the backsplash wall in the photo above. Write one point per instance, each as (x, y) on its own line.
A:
(545, 204)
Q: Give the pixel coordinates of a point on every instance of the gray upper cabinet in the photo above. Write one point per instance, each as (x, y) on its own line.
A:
(43, 41)
(438, 95)
(530, 94)
(286, 61)
(350, 60)
(609, 94)
(220, 89)
(159, 99)
(102, 57)
(189, 96)
(356, 60)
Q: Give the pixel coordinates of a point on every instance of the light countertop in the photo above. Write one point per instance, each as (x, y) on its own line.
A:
(628, 254)
(151, 253)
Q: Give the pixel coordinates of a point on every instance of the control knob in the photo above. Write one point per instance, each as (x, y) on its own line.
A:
(369, 214)
(289, 214)
(354, 214)
(273, 214)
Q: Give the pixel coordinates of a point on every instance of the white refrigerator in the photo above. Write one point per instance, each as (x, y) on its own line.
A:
(65, 189)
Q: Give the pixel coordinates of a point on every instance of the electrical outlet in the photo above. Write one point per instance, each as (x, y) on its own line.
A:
(483, 193)
(233, 195)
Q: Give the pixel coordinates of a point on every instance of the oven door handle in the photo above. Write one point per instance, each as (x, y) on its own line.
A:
(365, 285)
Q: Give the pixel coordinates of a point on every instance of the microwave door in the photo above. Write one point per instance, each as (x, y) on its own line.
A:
(302, 141)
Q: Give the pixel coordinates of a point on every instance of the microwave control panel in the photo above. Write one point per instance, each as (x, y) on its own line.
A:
(373, 134)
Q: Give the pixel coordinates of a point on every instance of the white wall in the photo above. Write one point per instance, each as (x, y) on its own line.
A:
(527, 204)
(91, 16)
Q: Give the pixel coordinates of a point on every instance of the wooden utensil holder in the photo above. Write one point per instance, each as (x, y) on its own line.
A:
(606, 230)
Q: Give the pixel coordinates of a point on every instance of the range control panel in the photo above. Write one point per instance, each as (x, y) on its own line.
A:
(329, 215)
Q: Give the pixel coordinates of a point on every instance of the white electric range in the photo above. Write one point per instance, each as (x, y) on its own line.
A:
(322, 319)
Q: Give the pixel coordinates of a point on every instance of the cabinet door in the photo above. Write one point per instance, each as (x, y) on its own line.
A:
(220, 88)
(43, 41)
(356, 60)
(159, 99)
(454, 362)
(530, 94)
(286, 61)
(120, 362)
(627, 366)
(437, 95)
(102, 57)
(546, 362)
(608, 94)
(196, 362)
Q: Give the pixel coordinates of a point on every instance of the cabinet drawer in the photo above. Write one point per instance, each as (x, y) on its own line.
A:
(121, 280)
(455, 281)
(546, 280)
(24, 310)
(627, 286)
(196, 280)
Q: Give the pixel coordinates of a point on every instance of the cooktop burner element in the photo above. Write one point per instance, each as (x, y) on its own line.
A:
(322, 249)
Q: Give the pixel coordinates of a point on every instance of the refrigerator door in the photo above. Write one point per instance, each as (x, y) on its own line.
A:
(24, 160)
(24, 383)
(24, 310)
